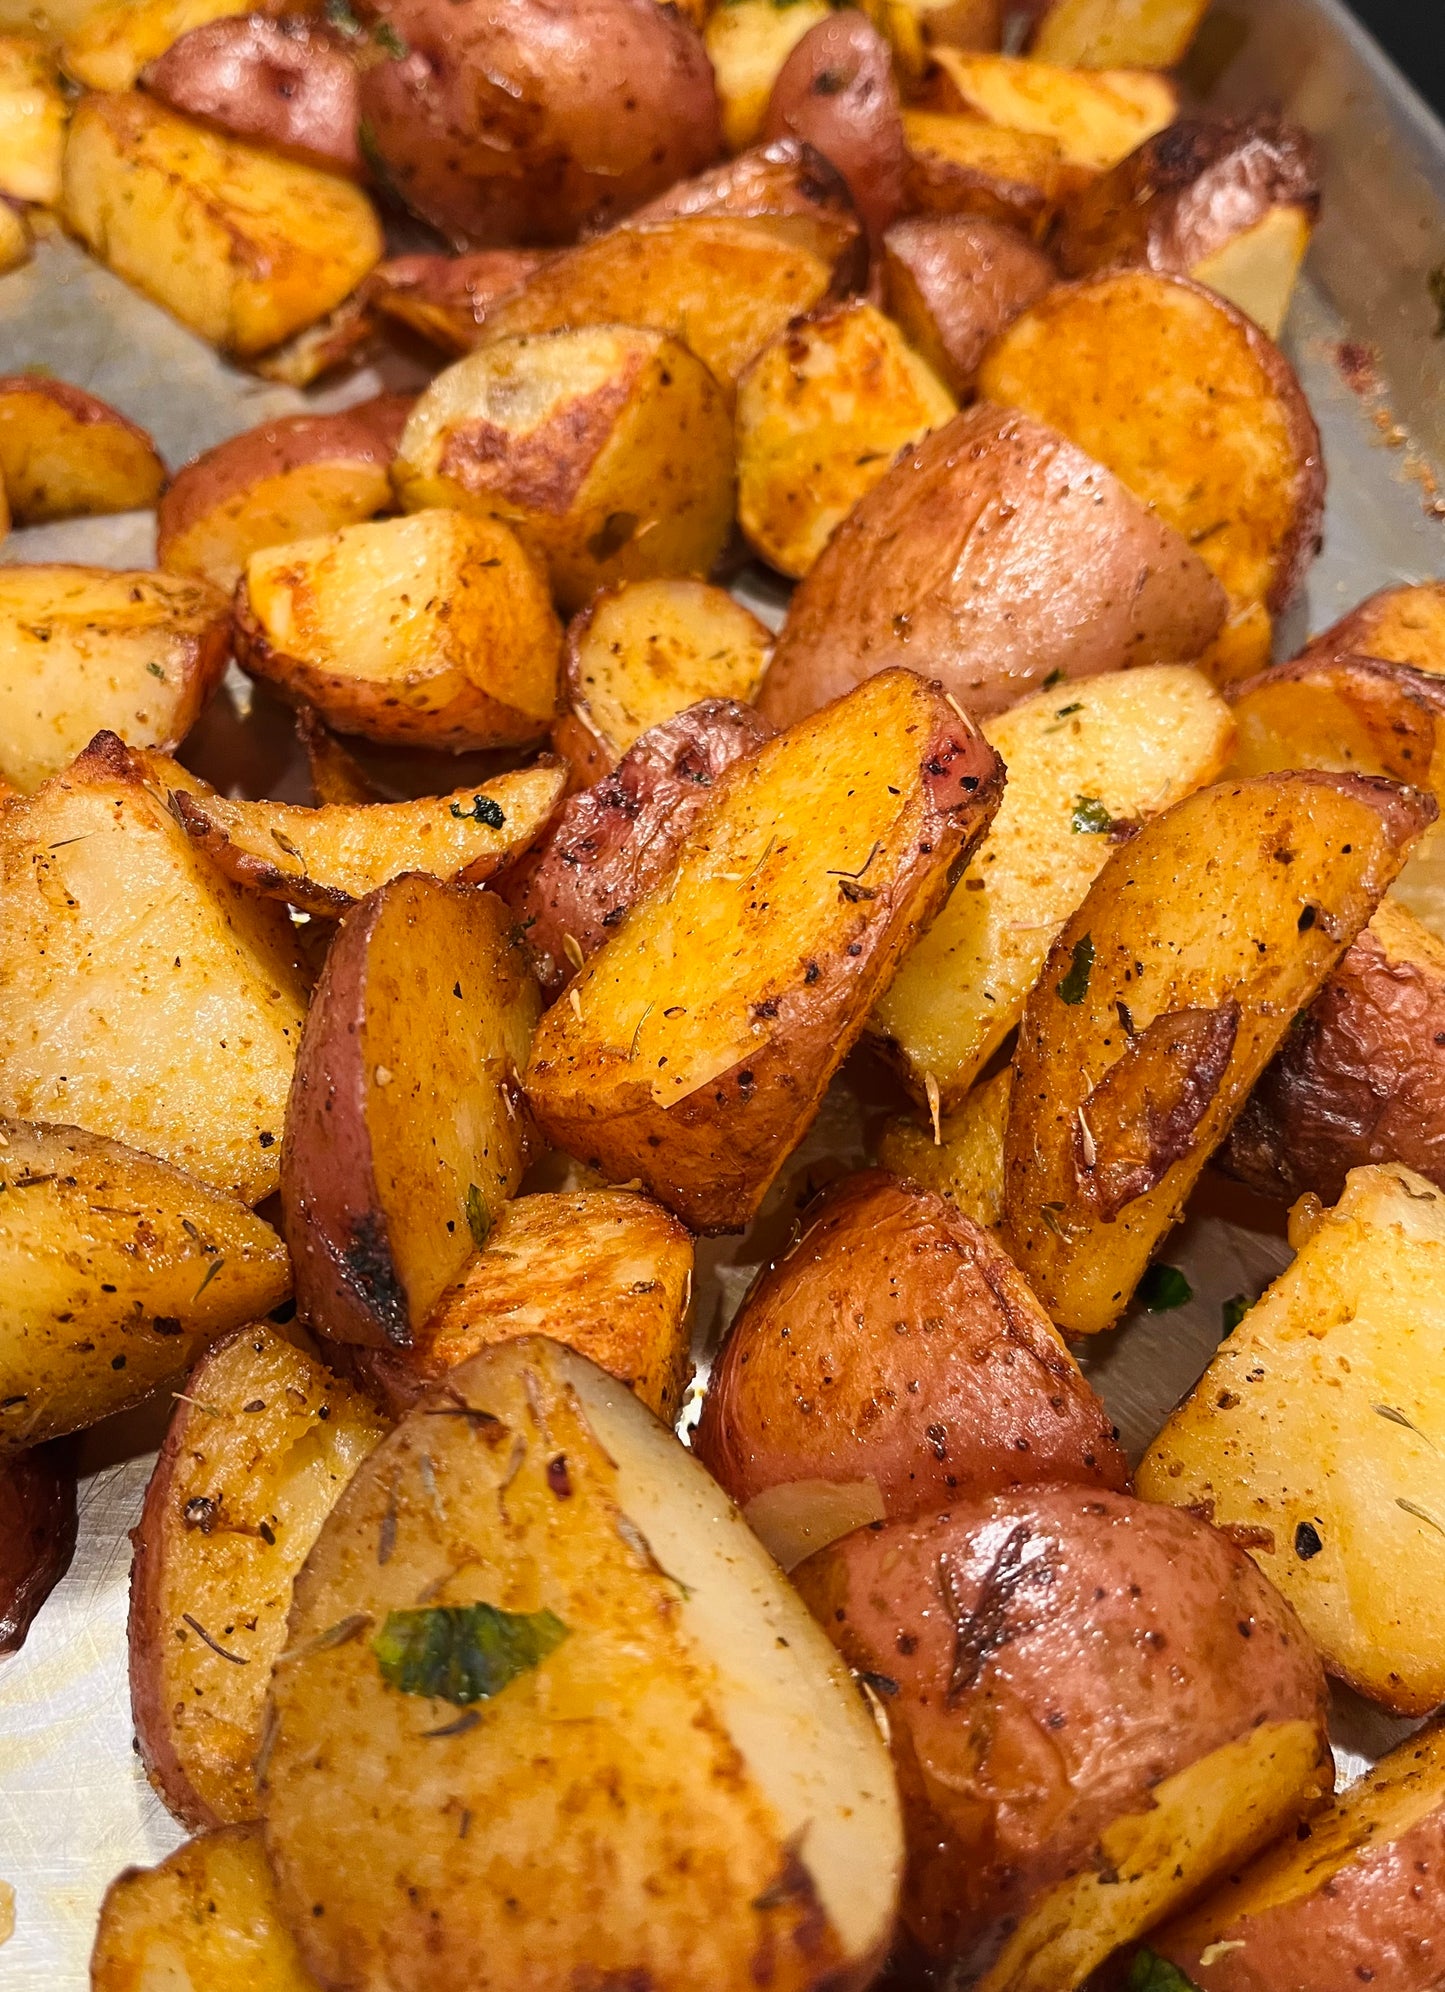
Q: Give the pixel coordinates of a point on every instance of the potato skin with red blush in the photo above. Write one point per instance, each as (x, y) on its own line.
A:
(37, 1534)
(290, 85)
(836, 92)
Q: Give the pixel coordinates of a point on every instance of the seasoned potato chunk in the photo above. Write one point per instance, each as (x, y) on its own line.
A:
(952, 282)
(963, 1160)
(960, 165)
(837, 92)
(1356, 715)
(63, 452)
(1102, 34)
(111, 44)
(1404, 625)
(747, 43)
(445, 298)
(1095, 115)
(33, 116)
(287, 84)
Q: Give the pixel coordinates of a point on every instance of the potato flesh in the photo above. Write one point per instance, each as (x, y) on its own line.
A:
(109, 49)
(300, 504)
(1257, 271)
(747, 44)
(962, 165)
(1096, 116)
(965, 1163)
(1319, 1410)
(115, 1271)
(63, 453)
(1114, 749)
(1108, 34)
(33, 115)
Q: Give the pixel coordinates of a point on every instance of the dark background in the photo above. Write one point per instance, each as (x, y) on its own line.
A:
(1413, 31)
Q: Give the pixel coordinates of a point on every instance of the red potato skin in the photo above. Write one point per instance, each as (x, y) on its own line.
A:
(37, 1534)
(290, 85)
(967, 277)
(896, 1341)
(836, 91)
(445, 298)
(994, 555)
(524, 124)
(1051, 1656)
(612, 843)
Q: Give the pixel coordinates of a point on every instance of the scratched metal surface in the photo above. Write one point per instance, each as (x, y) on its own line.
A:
(74, 1807)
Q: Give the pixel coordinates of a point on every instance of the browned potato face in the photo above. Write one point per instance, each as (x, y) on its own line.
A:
(1095, 116)
(953, 281)
(995, 554)
(521, 125)
(287, 480)
(1095, 1707)
(964, 1160)
(612, 844)
(33, 116)
(260, 1445)
(747, 44)
(786, 177)
(336, 775)
(37, 1535)
(1352, 714)
(643, 653)
(892, 1351)
(445, 298)
(1403, 625)
(836, 91)
(960, 165)
(291, 85)
(405, 1131)
(63, 453)
(1098, 34)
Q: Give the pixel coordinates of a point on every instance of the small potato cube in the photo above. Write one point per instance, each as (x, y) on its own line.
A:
(747, 43)
(1107, 34)
(965, 1162)
(33, 117)
(1096, 116)
(64, 452)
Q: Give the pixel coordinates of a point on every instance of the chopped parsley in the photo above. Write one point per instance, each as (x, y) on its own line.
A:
(1075, 985)
(483, 810)
(1164, 1288)
(1234, 1311)
(1090, 816)
(463, 1653)
(479, 1221)
(1152, 1973)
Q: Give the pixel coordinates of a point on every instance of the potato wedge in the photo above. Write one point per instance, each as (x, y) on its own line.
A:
(952, 282)
(1162, 1001)
(63, 452)
(291, 85)
(607, 450)
(663, 1767)
(434, 630)
(1104, 34)
(86, 648)
(604, 1272)
(205, 1920)
(893, 1345)
(1404, 625)
(1095, 1709)
(116, 1271)
(1313, 1426)
(260, 1445)
(960, 165)
(643, 653)
(293, 479)
(964, 1161)
(33, 117)
(445, 298)
(1350, 714)
(1000, 557)
(1096, 116)
(748, 42)
(239, 244)
(405, 1131)
(693, 1049)
(37, 1531)
(821, 415)
(617, 840)
(836, 91)
(1086, 765)
(16, 247)
(142, 995)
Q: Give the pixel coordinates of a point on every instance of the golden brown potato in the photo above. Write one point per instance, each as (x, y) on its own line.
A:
(785, 178)
(612, 1746)
(110, 44)
(142, 996)
(37, 1533)
(1312, 1430)
(821, 415)
(893, 1347)
(1110, 1709)
(339, 342)
(748, 42)
(239, 244)
(434, 629)
(116, 1271)
(290, 85)
(16, 246)
(607, 450)
(405, 1130)
(336, 775)
(604, 1272)
(915, 27)
(997, 556)
(292, 479)
(952, 282)
(64, 452)
(960, 165)
(964, 1160)
(86, 648)
(1096, 116)
(693, 1049)
(445, 298)
(1100, 34)
(1351, 714)
(260, 1445)
(836, 91)
(1087, 764)
(643, 653)
(33, 117)
(1161, 1002)
(1404, 625)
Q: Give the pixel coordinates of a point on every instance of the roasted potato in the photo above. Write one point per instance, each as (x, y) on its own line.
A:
(142, 995)
(821, 415)
(963, 1159)
(1403, 625)
(1087, 765)
(836, 91)
(917, 26)
(1161, 1002)
(1096, 116)
(115, 1272)
(205, 1920)
(614, 842)
(1311, 1429)
(1207, 425)
(892, 1348)
(1355, 1899)
(33, 117)
(1355, 715)
(998, 556)
(960, 165)
(445, 298)
(607, 450)
(643, 653)
(615, 1716)
(1094, 1709)
(785, 178)
(292, 479)
(405, 1131)
(63, 452)
(604, 1272)
(109, 45)
(434, 629)
(239, 244)
(37, 1530)
(336, 775)
(15, 248)
(291, 85)
(260, 1445)
(1099, 34)
(952, 282)
(522, 124)
(82, 648)
(740, 981)
(748, 41)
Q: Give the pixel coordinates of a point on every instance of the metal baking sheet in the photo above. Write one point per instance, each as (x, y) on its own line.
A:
(74, 1806)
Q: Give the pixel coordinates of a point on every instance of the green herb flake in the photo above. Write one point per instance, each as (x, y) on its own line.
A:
(339, 14)
(1234, 1310)
(483, 810)
(156, 671)
(1435, 283)
(1054, 678)
(1075, 985)
(479, 1221)
(1090, 816)
(1164, 1288)
(463, 1653)
(1152, 1973)
(385, 36)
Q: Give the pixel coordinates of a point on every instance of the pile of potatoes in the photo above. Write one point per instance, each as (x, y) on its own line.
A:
(381, 1131)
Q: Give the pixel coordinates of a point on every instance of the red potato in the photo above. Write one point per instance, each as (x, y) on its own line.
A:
(37, 1535)
(291, 85)
(65, 453)
(787, 176)
(836, 91)
(954, 281)
(445, 298)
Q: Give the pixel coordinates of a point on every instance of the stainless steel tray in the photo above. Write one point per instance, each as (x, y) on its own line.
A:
(74, 1806)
